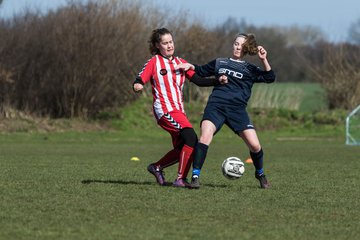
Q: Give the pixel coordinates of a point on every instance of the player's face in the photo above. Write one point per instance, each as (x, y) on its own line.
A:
(166, 45)
(237, 47)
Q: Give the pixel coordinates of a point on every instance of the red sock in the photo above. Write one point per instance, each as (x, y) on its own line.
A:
(185, 161)
(188, 165)
(169, 159)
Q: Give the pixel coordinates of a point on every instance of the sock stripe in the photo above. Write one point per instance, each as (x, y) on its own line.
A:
(182, 162)
(185, 156)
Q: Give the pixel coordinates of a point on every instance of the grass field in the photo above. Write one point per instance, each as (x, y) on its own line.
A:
(304, 97)
(84, 186)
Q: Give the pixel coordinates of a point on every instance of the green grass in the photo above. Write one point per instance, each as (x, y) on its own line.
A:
(354, 128)
(299, 106)
(304, 97)
(75, 185)
(84, 186)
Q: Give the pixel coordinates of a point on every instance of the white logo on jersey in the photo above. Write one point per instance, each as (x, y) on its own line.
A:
(230, 72)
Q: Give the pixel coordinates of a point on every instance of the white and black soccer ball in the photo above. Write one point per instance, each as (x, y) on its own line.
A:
(233, 168)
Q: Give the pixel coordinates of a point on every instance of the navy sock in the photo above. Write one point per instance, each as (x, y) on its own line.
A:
(258, 161)
(199, 157)
(259, 172)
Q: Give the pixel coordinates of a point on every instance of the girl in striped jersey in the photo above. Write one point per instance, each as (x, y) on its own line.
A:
(167, 88)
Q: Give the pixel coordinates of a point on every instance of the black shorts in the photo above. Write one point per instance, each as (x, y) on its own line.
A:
(236, 118)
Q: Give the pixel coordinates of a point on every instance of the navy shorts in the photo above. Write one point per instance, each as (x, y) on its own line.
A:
(236, 118)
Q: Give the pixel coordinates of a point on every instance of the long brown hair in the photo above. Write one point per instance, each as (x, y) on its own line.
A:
(250, 44)
(156, 38)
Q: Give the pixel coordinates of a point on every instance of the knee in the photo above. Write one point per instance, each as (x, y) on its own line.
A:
(208, 130)
(189, 136)
(255, 148)
(250, 138)
(206, 139)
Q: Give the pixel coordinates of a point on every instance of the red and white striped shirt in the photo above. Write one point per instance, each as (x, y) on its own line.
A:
(167, 83)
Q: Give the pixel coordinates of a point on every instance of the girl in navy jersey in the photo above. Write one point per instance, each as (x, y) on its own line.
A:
(227, 103)
(167, 87)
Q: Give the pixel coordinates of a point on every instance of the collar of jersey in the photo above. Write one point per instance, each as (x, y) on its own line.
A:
(235, 60)
(167, 57)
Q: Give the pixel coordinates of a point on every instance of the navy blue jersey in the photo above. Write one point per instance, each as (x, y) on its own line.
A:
(241, 77)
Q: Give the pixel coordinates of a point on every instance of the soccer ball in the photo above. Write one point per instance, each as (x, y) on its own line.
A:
(233, 168)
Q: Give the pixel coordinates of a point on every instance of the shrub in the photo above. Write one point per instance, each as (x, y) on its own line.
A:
(76, 61)
(339, 74)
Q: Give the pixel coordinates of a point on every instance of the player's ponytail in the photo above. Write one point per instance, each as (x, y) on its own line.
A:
(250, 45)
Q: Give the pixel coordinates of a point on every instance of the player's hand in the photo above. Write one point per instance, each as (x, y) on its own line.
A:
(138, 87)
(262, 52)
(185, 66)
(223, 79)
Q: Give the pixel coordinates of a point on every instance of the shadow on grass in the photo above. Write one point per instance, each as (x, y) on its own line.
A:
(168, 184)
(88, 181)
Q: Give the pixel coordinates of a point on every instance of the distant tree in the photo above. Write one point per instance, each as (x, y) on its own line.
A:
(302, 36)
(339, 74)
(232, 26)
(354, 32)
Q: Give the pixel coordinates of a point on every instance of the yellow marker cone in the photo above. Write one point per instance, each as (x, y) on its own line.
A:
(135, 159)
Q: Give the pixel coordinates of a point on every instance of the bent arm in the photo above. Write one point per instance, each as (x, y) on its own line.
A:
(203, 82)
(267, 76)
(138, 84)
(266, 64)
(264, 76)
(206, 70)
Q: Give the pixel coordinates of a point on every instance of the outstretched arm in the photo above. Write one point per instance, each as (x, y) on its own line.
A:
(185, 66)
(206, 70)
(206, 82)
(199, 81)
